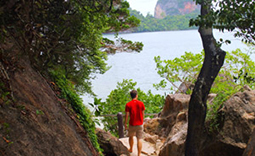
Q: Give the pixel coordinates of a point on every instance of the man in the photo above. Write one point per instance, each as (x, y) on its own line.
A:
(135, 110)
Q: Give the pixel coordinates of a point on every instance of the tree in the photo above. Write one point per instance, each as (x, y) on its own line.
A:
(237, 71)
(64, 35)
(63, 41)
(183, 70)
(230, 15)
(214, 58)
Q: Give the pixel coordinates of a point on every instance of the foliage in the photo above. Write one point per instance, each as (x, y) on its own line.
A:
(238, 70)
(83, 114)
(208, 19)
(64, 34)
(243, 66)
(217, 104)
(117, 100)
(231, 15)
(121, 45)
(5, 92)
(149, 23)
(179, 70)
(62, 39)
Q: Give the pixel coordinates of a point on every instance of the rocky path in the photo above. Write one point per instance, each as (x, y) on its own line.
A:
(148, 149)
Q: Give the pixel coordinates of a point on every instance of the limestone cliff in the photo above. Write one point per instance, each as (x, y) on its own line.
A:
(174, 7)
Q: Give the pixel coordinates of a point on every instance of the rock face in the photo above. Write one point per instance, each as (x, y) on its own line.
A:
(171, 125)
(175, 142)
(173, 120)
(36, 123)
(176, 106)
(236, 122)
(238, 115)
(111, 145)
(250, 150)
(174, 7)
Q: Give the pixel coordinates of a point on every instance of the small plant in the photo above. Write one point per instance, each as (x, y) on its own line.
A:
(39, 112)
(5, 94)
(6, 127)
(6, 131)
(21, 107)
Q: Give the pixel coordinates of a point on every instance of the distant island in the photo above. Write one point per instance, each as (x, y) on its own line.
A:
(168, 15)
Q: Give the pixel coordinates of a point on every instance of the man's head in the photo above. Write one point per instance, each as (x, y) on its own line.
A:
(133, 94)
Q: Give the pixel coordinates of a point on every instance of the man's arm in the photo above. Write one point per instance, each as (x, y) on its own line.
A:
(126, 119)
(143, 114)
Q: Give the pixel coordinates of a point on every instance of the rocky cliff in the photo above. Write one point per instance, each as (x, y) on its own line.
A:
(174, 7)
(33, 120)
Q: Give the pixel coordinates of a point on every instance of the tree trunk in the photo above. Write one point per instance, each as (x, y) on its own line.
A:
(214, 58)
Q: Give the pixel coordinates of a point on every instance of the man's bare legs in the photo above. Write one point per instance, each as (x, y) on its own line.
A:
(139, 146)
(131, 143)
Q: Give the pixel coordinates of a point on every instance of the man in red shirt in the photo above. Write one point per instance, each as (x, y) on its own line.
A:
(135, 110)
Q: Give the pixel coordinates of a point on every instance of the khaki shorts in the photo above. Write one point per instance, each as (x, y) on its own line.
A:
(136, 131)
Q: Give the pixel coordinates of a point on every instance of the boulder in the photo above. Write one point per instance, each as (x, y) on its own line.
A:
(236, 121)
(175, 143)
(111, 145)
(174, 104)
(151, 138)
(151, 126)
(145, 120)
(250, 150)
(218, 147)
(238, 116)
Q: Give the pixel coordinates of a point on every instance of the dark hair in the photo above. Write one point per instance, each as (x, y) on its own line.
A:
(133, 94)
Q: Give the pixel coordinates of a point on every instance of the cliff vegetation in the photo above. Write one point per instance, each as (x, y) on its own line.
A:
(49, 50)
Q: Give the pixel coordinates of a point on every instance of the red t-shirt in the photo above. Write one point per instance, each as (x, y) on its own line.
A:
(135, 109)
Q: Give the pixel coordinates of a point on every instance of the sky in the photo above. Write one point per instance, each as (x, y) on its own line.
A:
(143, 6)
